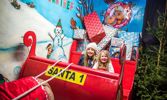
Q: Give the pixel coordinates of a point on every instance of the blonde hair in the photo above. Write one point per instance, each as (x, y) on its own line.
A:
(86, 57)
(100, 64)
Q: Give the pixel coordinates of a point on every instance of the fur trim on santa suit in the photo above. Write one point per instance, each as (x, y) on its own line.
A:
(10, 90)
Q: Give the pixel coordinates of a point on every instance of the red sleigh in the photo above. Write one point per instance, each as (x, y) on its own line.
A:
(81, 83)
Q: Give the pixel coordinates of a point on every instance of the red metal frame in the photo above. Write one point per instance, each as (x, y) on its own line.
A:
(129, 69)
(99, 85)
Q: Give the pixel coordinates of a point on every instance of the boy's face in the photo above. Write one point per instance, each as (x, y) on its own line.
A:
(90, 52)
(103, 57)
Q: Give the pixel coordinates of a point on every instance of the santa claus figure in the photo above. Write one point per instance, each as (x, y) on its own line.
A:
(11, 90)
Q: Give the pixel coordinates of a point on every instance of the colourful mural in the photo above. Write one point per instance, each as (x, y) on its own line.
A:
(118, 14)
(58, 52)
(53, 10)
(135, 23)
(56, 23)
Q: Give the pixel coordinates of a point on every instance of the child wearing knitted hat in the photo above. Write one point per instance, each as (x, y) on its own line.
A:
(89, 56)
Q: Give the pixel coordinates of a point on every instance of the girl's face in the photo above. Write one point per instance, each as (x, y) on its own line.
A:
(90, 52)
(103, 57)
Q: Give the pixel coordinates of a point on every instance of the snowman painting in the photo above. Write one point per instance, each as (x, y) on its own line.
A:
(58, 52)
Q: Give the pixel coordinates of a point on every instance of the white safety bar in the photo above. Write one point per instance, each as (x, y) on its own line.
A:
(47, 69)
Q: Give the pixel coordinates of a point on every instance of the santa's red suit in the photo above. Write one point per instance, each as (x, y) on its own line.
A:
(10, 90)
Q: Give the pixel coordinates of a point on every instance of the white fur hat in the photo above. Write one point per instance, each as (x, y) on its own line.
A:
(92, 45)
